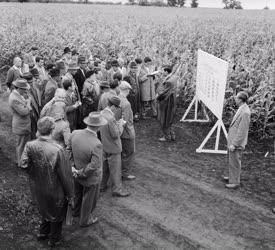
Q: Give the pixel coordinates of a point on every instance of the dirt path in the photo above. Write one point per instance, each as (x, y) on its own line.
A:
(178, 200)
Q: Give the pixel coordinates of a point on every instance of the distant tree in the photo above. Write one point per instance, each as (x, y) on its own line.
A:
(171, 3)
(194, 4)
(266, 8)
(131, 1)
(232, 4)
(181, 3)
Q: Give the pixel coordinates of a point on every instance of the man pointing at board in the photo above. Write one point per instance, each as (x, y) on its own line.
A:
(237, 139)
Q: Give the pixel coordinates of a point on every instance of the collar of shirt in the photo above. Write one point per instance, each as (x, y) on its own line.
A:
(93, 132)
(109, 110)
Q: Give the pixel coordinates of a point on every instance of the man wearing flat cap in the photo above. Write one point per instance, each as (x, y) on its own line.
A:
(86, 157)
(80, 75)
(103, 100)
(51, 180)
(67, 56)
(20, 104)
(237, 139)
(110, 138)
(128, 135)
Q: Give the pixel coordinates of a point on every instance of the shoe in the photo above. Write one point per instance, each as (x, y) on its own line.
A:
(41, 237)
(128, 177)
(225, 178)
(120, 194)
(232, 186)
(90, 222)
(163, 139)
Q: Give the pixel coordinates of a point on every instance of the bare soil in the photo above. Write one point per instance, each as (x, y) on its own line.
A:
(178, 200)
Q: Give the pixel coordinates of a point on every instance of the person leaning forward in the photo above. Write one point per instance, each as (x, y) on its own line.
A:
(86, 156)
(110, 138)
(51, 180)
(20, 105)
(128, 135)
(237, 139)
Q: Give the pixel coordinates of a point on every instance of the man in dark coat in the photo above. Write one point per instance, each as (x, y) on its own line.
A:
(167, 105)
(86, 157)
(51, 180)
(80, 75)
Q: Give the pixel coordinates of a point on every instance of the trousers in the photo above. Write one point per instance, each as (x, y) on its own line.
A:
(235, 166)
(112, 170)
(21, 141)
(127, 155)
(53, 229)
(85, 201)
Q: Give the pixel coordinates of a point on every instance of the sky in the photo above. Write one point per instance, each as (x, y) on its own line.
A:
(247, 4)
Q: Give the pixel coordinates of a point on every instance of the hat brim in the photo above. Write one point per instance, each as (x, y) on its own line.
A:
(20, 87)
(74, 68)
(102, 122)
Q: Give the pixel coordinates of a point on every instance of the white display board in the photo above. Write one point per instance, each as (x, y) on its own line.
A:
(211, 82)
(210, 90)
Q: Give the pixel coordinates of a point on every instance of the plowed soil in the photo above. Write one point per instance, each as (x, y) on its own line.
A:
(178, 200)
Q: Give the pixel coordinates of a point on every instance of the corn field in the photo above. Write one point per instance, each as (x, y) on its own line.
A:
(246, 39)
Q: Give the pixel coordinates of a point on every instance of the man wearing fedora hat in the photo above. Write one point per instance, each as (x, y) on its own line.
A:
(36, 107)
(86, 156)
(52, 84)
(20, 105)
(110, 138)
(67, 56)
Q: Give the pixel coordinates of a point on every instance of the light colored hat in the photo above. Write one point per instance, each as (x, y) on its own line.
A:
(21, 83)
(124, 85)
(95, 119)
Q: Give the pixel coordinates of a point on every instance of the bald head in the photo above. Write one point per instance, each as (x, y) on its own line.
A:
(17, 61)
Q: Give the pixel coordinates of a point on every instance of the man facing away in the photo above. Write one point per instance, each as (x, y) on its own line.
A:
(86, 156)
(237, 139)
(110, 138)
(20, 105)
(128, 135)
(51, 180)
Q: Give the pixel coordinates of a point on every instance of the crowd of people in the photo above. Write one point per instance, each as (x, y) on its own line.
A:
(73, 119)
(74, 124)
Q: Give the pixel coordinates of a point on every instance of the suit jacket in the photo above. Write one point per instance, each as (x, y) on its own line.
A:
(86, 154)
(80, 79)
(238, 130)
(127, 115)
(49, 91)
(21, 121)
(51, 179)
(12, 75)
(110, 133)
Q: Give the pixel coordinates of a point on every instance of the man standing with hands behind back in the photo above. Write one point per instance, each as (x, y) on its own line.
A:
(86, 156)
(237, 139)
